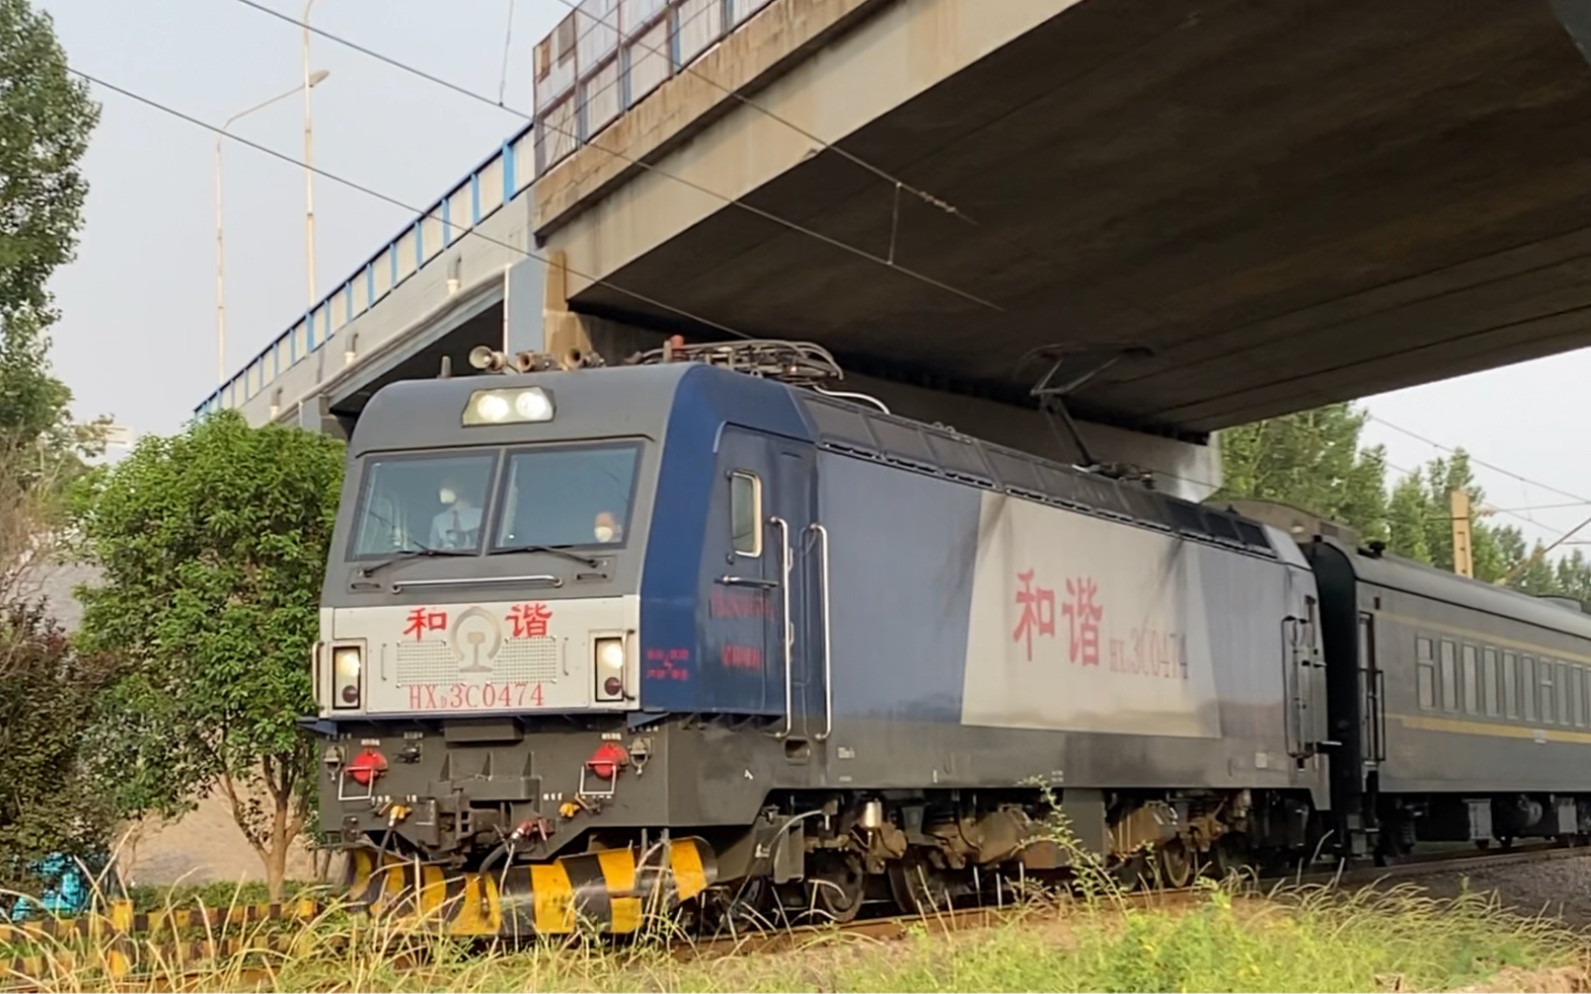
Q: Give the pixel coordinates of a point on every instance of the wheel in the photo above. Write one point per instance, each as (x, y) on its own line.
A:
(917, 887)
(1176, 866)
(838, 885)
(1130, 872)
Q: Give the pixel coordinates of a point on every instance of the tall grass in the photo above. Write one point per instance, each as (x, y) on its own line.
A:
(1228, 937)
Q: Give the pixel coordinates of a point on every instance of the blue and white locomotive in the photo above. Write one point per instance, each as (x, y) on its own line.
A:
(695, 630)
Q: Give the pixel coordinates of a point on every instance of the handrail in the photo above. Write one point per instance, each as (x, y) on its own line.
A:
(469, 581)
(828, 668)
(785, 566)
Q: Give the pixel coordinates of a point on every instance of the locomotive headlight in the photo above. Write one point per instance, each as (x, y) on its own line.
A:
(610, 669)
(496, 407)
(347, 662)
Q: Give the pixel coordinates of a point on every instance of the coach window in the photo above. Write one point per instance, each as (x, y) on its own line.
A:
(1449, 675)
(1425, 671)
(1563, 693)
(1510, 685)
(1545, 673)
(1527, 686)
(1472, 681)
(745, 513)
(1577, 691)
(1489, 680)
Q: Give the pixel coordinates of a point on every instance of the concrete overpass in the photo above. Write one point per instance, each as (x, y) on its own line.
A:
(1289, 204)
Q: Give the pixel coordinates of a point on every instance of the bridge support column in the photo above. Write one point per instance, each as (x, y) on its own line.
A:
(537, 318)
(314, 414)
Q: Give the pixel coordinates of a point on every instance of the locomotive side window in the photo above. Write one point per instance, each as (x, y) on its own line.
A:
(745, 513)
(1471, 680)
(1425, 671)
(1489, 680)
(1527, 685)
(1510, 685)
(1449, 675)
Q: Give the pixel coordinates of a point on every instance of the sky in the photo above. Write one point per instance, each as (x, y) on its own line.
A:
(137, 338)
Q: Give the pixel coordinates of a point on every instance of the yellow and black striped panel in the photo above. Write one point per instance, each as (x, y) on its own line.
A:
(119, 918)
(611, 890)
(124, 958)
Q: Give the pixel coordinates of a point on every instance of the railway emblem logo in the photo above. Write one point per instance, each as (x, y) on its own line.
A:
(475, 641)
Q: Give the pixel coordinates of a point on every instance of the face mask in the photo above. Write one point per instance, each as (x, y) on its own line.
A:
(604, 533)
(447, 496)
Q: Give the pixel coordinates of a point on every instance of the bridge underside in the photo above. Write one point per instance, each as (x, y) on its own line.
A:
(1290, 203)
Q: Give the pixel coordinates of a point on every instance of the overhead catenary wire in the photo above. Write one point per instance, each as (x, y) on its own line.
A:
(1577, 498)
(433, 213)
(736, 202)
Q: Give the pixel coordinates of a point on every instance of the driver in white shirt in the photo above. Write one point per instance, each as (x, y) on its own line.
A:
(458, 525)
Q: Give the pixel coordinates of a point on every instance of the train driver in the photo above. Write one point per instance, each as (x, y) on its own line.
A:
(458, 524)
(607, 528)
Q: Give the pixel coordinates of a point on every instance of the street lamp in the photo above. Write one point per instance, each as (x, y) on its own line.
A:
(310, 81)
(309, 173)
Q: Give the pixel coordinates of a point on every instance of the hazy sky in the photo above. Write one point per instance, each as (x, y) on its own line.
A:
(137, 339)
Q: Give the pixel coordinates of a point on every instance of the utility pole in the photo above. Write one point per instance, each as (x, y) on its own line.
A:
(313, 80)
(1463, 559)
(309, 171)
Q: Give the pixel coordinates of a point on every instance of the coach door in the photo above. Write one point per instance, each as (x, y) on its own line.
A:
(775, 569)
(1372, 688)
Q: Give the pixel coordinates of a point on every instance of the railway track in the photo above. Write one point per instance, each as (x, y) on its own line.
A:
(126, 952)
(899, 926)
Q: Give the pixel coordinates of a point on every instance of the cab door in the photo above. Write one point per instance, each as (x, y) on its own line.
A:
(764, 628)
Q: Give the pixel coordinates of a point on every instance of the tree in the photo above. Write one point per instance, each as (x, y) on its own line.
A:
(46, 118)
(48, 691)
(48, 694)
(213, 544)
(1313, 461)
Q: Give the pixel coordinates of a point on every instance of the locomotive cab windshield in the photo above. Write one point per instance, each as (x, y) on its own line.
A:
(541, 497)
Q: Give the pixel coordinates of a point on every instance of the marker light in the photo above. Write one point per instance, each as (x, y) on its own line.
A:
(610, 669)
(367, 766)
(512, 406)
(346, 664)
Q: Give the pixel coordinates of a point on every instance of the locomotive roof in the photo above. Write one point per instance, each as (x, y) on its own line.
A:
(1398, 573)
(427, 414)
(424, 414)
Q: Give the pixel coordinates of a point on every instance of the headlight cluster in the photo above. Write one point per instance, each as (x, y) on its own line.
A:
(511, 406)
(610, 669)
(346, 686)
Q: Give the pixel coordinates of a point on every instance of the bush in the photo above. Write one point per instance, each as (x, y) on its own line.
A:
(48, 705)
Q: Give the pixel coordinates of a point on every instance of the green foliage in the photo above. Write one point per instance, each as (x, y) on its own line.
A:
(212, 545)
(46, 118)
(1312, 461)
(48, 695)
(1226, 939)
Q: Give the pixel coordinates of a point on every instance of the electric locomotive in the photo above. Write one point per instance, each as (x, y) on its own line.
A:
(694, 630)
